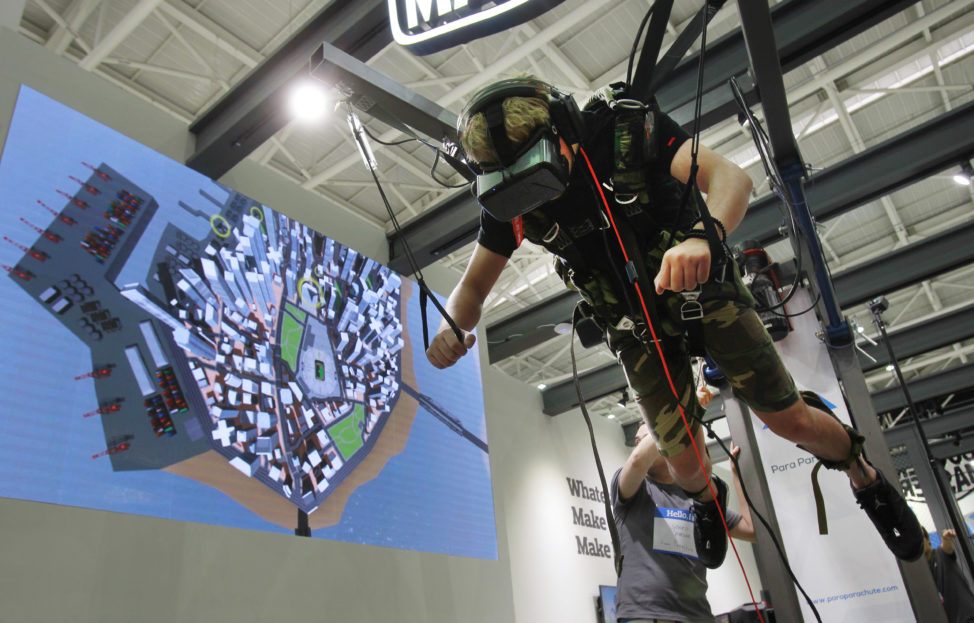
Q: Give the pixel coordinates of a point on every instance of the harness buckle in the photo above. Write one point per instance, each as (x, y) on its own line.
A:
(643, 334)
(625, 324)
(691, 308)
(723, 271)
(551, 234)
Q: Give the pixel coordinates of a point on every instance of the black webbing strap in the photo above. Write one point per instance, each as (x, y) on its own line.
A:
(651, 47)
(674, 54)
(494, 114)
(424, 293)
(606, 497)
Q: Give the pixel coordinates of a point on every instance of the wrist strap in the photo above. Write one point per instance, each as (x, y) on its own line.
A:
(699, 233)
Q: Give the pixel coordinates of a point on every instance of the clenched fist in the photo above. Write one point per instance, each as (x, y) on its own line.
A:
(684, 267)
(445, 350)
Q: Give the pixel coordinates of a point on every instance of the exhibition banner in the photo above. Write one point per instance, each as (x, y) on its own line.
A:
(849, 573)
(176, 349)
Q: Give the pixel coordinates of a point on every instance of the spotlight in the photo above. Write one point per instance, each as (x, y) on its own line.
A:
(878, 305)
(308, 101)
(541, 386)
(963, 177)
(624, 399)
(611, 417)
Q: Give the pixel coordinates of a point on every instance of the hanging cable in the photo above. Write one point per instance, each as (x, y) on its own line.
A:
(761, 144)
(606, 498)
(358, 132)
(635, 43)
(416, 138)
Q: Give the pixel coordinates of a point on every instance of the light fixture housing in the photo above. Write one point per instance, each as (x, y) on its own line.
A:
(963, 177)
(624, 399)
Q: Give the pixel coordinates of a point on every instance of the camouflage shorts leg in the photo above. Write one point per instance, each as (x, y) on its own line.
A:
(737, 341)
(653, 394)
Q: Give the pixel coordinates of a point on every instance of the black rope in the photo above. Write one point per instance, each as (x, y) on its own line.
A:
(606, 497)
(424, 291)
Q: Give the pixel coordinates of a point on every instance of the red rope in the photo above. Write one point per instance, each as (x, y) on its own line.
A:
(669, 379)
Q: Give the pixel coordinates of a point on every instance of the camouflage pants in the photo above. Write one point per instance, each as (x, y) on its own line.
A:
(735, 338)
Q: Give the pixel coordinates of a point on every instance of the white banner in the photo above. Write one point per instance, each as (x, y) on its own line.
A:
(849, 573)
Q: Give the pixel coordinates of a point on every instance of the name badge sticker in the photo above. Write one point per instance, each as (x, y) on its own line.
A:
(673, 532)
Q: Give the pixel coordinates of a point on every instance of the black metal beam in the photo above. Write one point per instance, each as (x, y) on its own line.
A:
(528, 327)
(943, 450)
(596, 383)
(253, 110)
(939, 385)
(902, 160)
(803, 29)
(949, 328)
(958, 419)
(380, 96)
(906, 266)
(762, 50)
(436, 232)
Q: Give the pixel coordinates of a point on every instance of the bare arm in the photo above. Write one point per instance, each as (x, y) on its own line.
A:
(947, 541)
(640, 460)
(465, 306)
(728, 190)
(744, 530)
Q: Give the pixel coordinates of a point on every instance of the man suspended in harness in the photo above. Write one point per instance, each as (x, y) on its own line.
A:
(543, 169)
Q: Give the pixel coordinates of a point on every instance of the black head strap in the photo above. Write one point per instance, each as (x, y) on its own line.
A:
(564, 112)
(497, 133)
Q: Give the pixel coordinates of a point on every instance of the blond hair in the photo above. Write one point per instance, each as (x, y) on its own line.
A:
(522, 116)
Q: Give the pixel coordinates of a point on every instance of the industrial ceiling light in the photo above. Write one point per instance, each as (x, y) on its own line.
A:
(624, 399)
(308, 101)
(963, 177)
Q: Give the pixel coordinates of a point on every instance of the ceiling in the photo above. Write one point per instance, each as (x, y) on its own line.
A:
(184, 56)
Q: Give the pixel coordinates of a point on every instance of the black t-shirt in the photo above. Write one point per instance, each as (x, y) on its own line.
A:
(499, 236)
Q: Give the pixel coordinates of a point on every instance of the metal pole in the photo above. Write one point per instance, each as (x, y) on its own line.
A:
(877, 306)
(766, 69)
(774, 575)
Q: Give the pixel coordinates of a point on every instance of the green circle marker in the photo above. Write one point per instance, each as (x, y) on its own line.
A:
(321, 292)
(256, 212)
(213, 220)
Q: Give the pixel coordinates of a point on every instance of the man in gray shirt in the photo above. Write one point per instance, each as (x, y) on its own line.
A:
(662, 579)
(953, 587)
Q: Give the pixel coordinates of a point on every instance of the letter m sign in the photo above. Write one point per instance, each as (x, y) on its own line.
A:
(427, 26)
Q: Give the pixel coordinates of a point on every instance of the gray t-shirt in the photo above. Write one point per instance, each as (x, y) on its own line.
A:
(954, 590)
(655, 584)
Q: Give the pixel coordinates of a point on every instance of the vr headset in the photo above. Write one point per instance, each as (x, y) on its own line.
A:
(535, 172)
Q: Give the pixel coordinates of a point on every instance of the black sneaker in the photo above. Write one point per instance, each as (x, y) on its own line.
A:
(893, 518)
(708, 530)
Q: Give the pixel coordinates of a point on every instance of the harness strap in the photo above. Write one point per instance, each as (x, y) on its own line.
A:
(855, 451)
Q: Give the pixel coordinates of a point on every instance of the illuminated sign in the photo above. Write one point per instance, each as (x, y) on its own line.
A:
(427, 26)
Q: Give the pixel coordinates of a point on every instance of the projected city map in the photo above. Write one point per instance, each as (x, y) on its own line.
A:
(223, 343)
